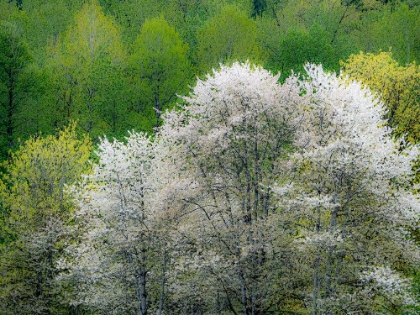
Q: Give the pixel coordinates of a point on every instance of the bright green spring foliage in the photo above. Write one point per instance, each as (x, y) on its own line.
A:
(398, 86)
(37, 173)
(86, 68)
(159, 70)
(227, 37)
(36, 207)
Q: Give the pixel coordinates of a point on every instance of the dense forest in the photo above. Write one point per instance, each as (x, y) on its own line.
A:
(209, 157)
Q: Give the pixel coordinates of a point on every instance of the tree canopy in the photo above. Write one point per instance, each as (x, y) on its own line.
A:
(228, 173)
(255, 196)
(36, 207)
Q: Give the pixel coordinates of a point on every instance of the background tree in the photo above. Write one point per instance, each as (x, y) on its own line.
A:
(297, 47)
(85, 65)
(159, 68)
(187, 16)
(397, 86)
(37, 207)
(397, 28)
(44, 22)
(227, 37)
(131, 15)
(16, 76)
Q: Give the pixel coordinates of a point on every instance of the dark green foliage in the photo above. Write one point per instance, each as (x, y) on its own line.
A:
(299, 47)
(16, 78)
(18, 3)
(258, 7)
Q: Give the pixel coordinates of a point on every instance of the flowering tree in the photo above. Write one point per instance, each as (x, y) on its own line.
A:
(309, 166)
(252, 198)
(120, 264)
(33, 223)
(351, 200)
(233, 141)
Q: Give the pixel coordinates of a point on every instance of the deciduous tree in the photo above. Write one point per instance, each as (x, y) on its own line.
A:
(227, 37)
(15, 78)
(120, 263)
(233, 140)
(159, 67)
(341, 198)
(37, 207)
(397, 86)
(351, 200)
(253, 197)
(86, 64)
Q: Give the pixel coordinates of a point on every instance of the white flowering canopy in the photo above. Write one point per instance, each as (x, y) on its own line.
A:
(254, 191)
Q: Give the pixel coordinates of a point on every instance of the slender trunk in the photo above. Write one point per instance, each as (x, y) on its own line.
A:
(316, 283)
(139, 283)
(114, 116)
(243, 297)
(241, 279)
(339, 24)
(162, 284)
(143, 290)
(276, 18)
(253, 299)
(90, 106)
(330, 259)
(257, 174)
(158, 106)
(254, 273)
(157, 112)
(315, 292)
(68, 108)
(266, 202)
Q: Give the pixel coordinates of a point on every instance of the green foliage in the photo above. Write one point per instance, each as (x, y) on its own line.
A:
(87, 70)
(16, 78)
(299, 47)
(397, 86)
(397, 28)
(159, 69)
(36, 206)
(131, 14)
(44, 22)
(8, 11)
(227, 37)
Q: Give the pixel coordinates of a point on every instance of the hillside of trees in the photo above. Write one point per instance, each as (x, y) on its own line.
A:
(206, 157)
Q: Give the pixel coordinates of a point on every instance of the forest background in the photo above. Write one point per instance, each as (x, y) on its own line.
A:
(115, 66)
